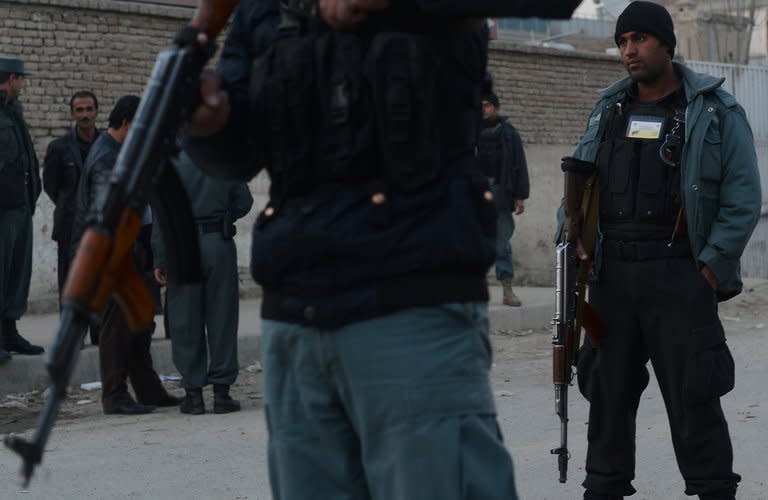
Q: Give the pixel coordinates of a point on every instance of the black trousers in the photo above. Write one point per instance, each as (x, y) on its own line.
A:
(664, 311)
(125, 355)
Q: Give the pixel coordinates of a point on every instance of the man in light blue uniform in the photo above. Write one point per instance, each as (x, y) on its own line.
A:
(202, 318)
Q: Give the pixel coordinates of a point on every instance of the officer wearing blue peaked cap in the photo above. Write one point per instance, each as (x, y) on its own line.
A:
(12, 65)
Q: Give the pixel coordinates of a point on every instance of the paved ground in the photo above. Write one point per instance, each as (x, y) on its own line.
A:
(168, 455)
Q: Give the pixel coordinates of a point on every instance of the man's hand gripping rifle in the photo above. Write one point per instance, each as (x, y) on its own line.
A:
(103, 267)
(574, 254)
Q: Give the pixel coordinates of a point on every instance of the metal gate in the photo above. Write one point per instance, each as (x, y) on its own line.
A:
(749, 84)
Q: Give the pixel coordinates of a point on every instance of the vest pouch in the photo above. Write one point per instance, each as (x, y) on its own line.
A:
(403, 71)
(282, 97)
(614, 160)
(346, 131)
(651, 181)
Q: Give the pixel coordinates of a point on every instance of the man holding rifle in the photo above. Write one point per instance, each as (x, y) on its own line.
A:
(373, 250)
(679, 196)
(122, 354)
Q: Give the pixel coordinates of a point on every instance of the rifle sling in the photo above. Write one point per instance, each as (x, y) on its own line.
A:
(589, 215)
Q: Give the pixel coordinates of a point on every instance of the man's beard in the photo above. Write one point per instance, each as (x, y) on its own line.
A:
(650, 75)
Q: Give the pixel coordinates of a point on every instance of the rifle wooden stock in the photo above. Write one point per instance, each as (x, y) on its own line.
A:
(212, 15)
(592, 325)
(574, 191)
(103, 266)
(560, 365)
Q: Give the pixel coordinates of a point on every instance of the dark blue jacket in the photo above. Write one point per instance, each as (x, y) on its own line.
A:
(332, 256)
(514, 167)
(61, 175)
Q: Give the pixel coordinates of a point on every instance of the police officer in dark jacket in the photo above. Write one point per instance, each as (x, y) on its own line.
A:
(19, 190)
(373, 249)
(679, 198)
(502, 160)
(61, 173)
(122, 354)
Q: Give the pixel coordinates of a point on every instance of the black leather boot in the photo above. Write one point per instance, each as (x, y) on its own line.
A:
(193, 403)
(591, 495)
(14, 342)
(4, 355)
(727, 494)
(222, 401)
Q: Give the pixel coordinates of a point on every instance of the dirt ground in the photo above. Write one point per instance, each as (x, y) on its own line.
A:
(18, 412)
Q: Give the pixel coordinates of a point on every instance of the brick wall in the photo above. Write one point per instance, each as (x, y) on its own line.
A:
(548, 93)
(108, 47)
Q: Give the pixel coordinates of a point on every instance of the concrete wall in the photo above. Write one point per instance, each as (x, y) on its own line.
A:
(110, 47)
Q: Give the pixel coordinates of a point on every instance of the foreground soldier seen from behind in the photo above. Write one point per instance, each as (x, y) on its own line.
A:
(373, 249)
(679, 198)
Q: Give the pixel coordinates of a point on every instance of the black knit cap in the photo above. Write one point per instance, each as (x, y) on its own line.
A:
(647, 17)
(493, 99)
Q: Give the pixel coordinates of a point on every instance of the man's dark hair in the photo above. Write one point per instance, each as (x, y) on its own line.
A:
(5, 76)
(83, 93)
(123, 111)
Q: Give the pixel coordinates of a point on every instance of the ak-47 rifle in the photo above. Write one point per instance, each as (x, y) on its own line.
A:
(102, 267)
(572, 312)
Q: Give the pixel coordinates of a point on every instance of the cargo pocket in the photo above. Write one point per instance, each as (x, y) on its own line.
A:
(709, 367)
(586, 365)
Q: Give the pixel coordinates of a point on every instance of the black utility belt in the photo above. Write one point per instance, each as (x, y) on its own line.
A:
(225, 228)
(213, 226)
(645, 250)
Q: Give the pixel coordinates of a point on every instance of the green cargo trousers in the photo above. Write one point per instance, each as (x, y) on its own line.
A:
(398, 407)
(203, 317)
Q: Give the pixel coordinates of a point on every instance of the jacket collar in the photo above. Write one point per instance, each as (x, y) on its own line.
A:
(72, 134)
(695, 84)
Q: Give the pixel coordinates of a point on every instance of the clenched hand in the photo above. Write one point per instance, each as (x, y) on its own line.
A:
(348, 14)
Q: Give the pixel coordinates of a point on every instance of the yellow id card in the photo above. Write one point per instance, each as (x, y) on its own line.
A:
(645, 127)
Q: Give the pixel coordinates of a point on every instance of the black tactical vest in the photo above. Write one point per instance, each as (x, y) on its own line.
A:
(639, 162)
(489, 152)
(390, 105)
